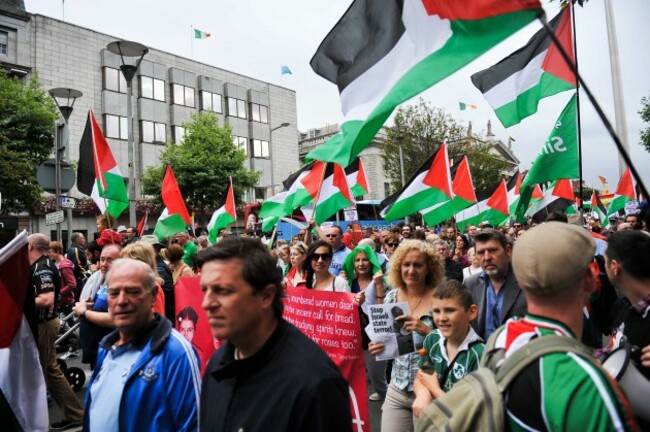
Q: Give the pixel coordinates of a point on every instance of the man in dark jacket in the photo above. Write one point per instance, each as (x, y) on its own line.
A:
(453, 269)
(269, 375)
(77, 255)
(495, 289)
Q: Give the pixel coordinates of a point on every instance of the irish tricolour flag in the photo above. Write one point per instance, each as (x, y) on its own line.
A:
(382, 53)
(98, 175)
(223, 216)
(515, 85)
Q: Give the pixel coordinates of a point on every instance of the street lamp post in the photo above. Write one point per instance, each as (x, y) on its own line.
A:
(64, 99)
(285, 124)
(129, 49)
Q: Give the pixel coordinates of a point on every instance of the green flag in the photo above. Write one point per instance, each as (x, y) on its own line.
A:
(559, 157)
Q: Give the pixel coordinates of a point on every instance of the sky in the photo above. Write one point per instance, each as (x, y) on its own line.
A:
(257, 37)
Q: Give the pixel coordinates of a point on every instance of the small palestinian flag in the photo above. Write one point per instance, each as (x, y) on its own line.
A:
(223, 216)
(334, 194)
(175, 217)
(357, 180)
(625, 192)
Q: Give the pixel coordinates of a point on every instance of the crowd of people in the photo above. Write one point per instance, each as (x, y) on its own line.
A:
(519, 282)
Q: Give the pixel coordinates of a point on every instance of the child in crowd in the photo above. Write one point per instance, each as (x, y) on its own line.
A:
(452, 350)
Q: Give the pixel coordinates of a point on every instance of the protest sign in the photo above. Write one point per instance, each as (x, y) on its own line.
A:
(383, 327)
(331, 319)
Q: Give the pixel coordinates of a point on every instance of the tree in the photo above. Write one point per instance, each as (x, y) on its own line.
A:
(27, 127)
(202, 165)
(420, 129)
(645, 116)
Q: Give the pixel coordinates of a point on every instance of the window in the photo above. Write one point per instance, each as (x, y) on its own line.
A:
(259, 113)
(153, 132)
(260, 149)
(236, 108)
(260, 193)
(183, 95)
(241, 142)
(152, 88)
(211, 102)
(179, 134)
(4, 42)
(117, 127)
(114, 80)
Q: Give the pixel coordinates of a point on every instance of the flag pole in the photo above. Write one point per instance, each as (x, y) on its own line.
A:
(191, 41)
(596, 105)
(575, 54)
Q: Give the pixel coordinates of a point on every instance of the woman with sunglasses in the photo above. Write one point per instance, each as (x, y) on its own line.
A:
(297, 276)
(416, 270)
(319, 256)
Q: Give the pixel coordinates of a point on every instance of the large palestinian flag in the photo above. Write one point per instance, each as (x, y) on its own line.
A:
(223, 216)
(382, 53)
(463, 196)
(559, 196)
(175, 216)
(23, 405)
(98, 176)
(430, 185)
(515, 85)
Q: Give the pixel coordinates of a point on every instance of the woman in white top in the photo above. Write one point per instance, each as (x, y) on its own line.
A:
(474, 266)
(319, 256)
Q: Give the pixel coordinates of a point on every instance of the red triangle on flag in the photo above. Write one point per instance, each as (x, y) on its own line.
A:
(626, 185)
(499, 199)
(439, 177)
(103, 157)
(14, 284)
(229, 205)
(564, 189)
(312, 181)
(518, 185)
(340, 181)
(463, 185)
(554, 63)
(172, 197)
(537, 192)
(362, 180)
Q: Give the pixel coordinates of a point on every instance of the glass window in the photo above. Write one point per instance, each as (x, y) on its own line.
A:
(159, 90)
(206, 101)
(264, 114)
(179, 134)
(116, 127)
(260, 149)
(232, 107)
(4, 42)
(146, 87)
(114, 80)
(160, 132)
(241, 142)
(255, 112)
(147, 131)
(179, 94)
(241, 108)
(216, 103)
(189, 96)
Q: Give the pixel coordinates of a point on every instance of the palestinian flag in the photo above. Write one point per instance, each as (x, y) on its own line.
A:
(559, 157)
(356, 175)
(515, 85)
(463, 196)
(334, 193)
(294, 195)
(430, 185)
(598, 210)
(175, 217)
(223, 216)
(98, 176)
(142, 225)
(414, 45)
(23, 404)
(625, 191)
(492, 207)
(559, 196)
(514, 187)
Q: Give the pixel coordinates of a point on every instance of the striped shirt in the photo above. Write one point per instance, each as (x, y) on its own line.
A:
(560, 391)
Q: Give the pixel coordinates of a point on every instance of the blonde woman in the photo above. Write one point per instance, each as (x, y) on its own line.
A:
(297, 277)
(415, 271)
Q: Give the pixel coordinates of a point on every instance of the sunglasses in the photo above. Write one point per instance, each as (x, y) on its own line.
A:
(324, 256)
(392, 244)
(331, 235)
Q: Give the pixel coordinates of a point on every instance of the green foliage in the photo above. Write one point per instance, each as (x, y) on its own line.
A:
(27, 128)
(420, 129)
(645, 116)
(202, 165)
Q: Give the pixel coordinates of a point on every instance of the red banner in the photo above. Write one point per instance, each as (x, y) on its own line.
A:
(331, 319)
(191, 320)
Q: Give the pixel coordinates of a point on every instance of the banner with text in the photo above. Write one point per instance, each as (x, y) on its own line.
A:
(331, 319)
(190, 319)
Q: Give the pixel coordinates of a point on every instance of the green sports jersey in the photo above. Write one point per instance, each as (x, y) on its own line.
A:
(560, 391)
(449, 372)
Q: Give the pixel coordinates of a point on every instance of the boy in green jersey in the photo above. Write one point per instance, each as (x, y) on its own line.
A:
(452, 350)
